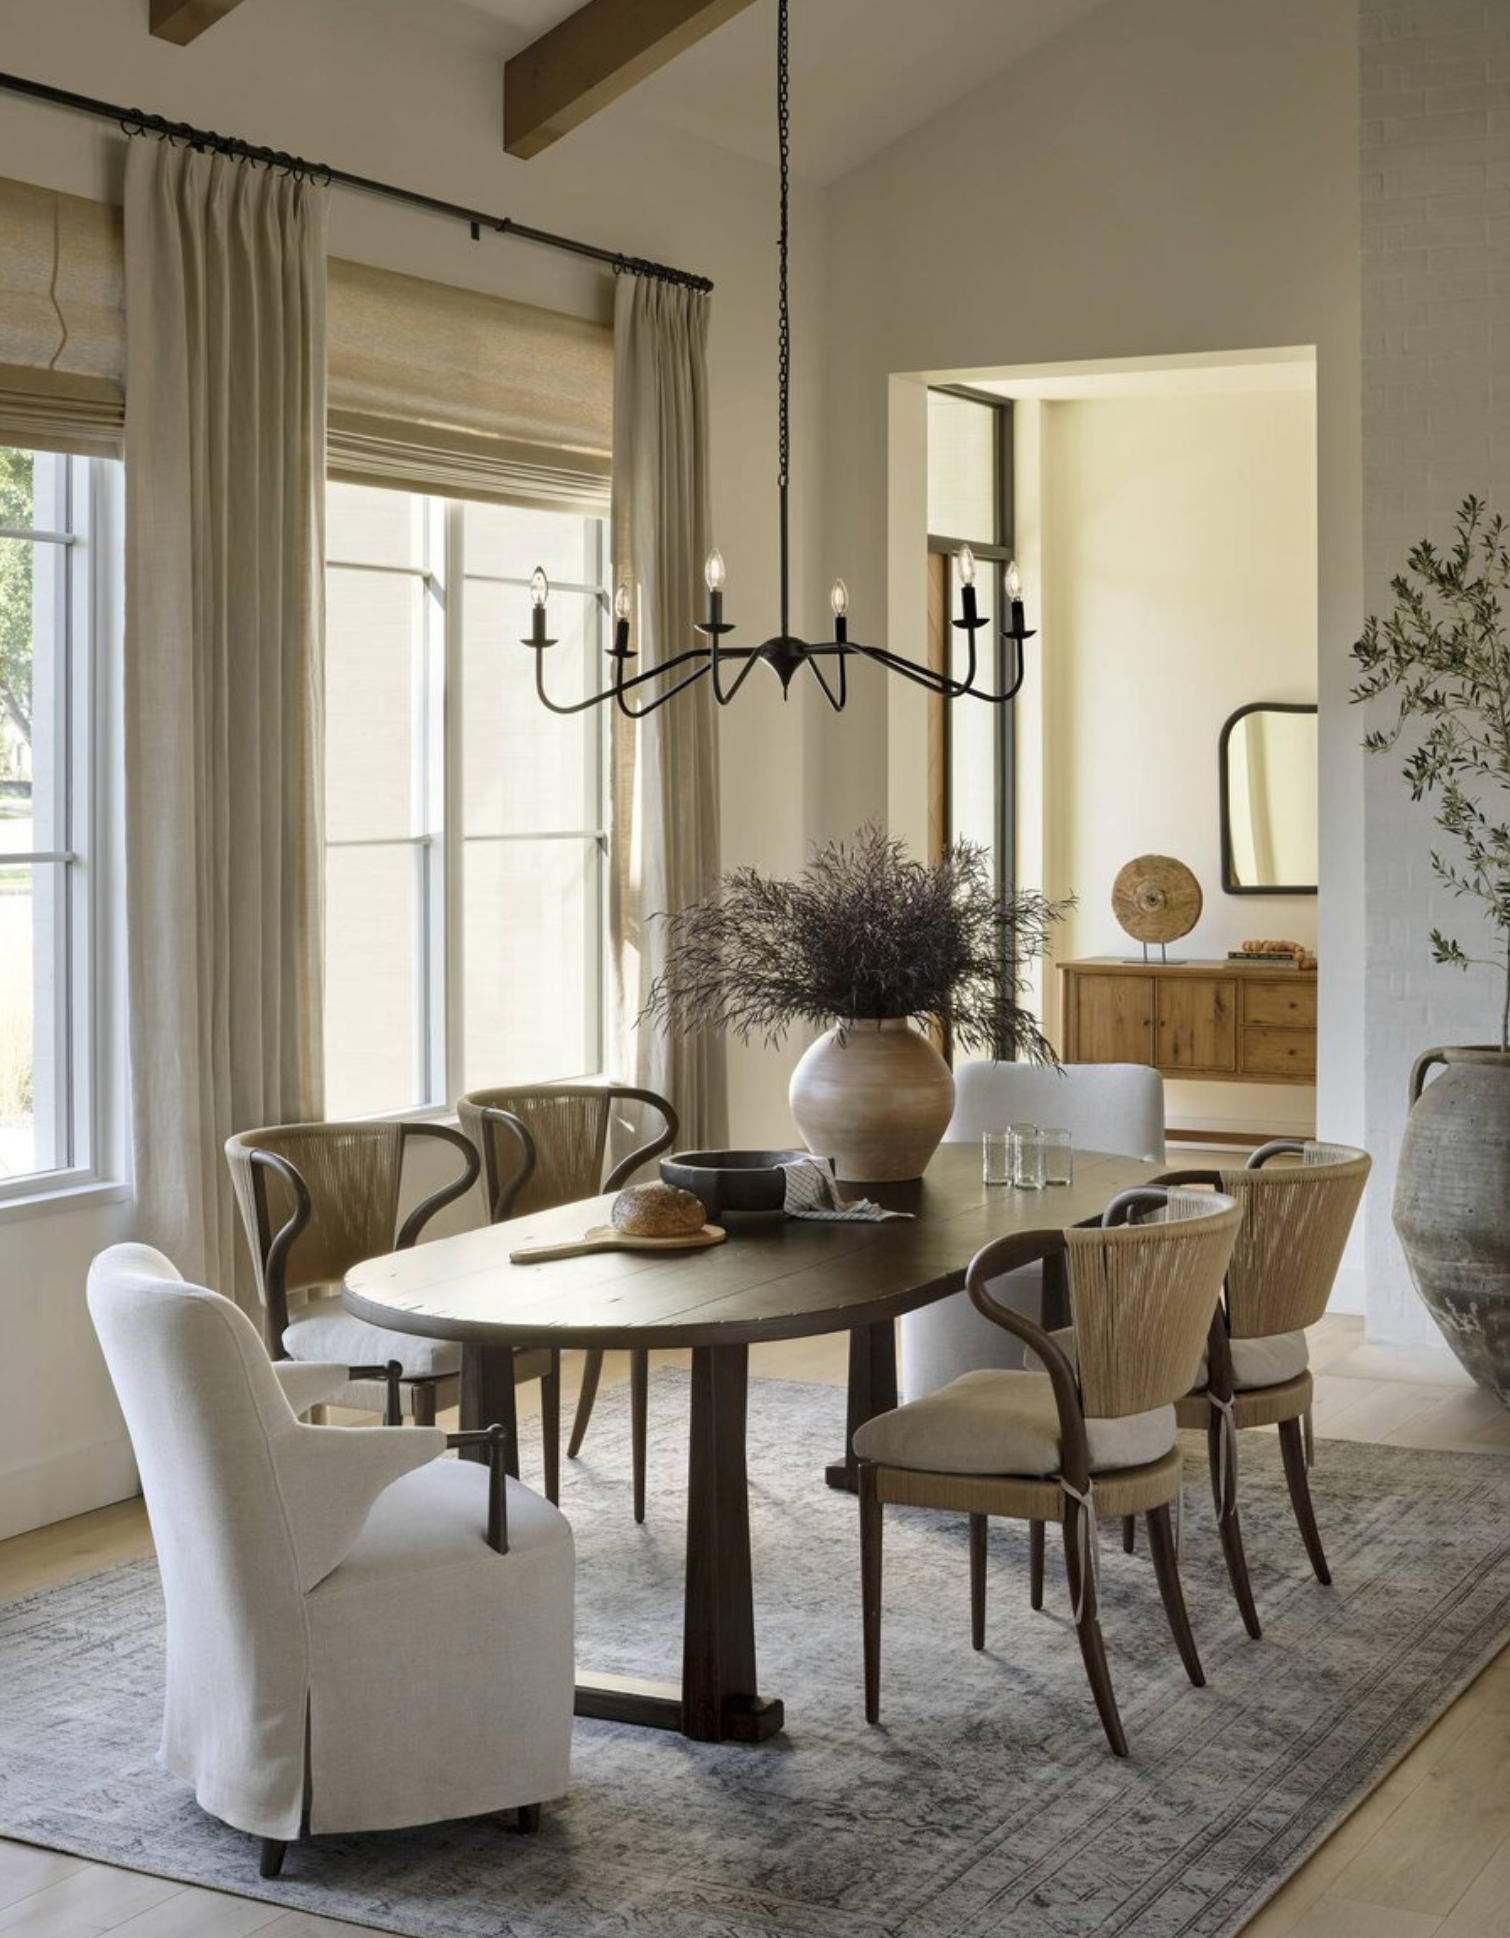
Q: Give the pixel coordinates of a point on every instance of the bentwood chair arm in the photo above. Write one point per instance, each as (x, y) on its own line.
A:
(622, 1173)
(1168, 1178)
(1276, 1147)
(495, 1438)
(501, 1199)
(1006, 1255)
(276, 1246)
(1119, 1211)
(459, 1186)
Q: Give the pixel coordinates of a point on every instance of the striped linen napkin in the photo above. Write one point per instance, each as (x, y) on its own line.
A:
(812, 1193)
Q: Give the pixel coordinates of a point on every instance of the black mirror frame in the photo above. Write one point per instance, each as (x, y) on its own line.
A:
(1230, 886)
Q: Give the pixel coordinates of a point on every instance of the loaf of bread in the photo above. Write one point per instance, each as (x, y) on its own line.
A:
(657, 1211)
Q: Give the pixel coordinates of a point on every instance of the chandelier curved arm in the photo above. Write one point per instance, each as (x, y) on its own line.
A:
(660, 699)
(835, 700)
(620, 686)
(936, 683)
(719, 655)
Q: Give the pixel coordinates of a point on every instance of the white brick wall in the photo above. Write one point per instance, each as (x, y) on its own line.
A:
(1435, 141)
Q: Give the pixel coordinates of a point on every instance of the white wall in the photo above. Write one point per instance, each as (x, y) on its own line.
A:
(413, 95)
(1169, 177)
(1178, 537)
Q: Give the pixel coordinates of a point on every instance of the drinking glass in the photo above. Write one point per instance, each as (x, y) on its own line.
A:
(996, 1157)
(1027, 1157)
(1058, 1157)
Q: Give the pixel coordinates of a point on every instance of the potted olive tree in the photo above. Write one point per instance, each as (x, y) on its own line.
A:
(1442, 660)
(866, 943)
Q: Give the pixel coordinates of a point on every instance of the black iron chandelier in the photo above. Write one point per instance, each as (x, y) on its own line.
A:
(730, 666)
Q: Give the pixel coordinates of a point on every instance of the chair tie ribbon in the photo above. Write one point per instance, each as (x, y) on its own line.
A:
(1087, 1544)
(1226, 1455)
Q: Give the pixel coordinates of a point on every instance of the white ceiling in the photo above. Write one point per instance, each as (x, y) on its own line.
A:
(863, 71)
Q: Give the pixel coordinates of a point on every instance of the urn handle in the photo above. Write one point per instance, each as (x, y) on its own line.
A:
(1418, 1071)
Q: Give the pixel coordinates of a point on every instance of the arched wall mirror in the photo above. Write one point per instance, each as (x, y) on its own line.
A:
(1267, 757)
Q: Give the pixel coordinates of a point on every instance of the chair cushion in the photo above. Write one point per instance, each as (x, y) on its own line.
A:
(1268, 1361)
(324, 1329)
(1003, 1421)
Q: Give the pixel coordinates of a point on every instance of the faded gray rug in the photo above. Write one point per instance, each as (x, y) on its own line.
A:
(986, 1806)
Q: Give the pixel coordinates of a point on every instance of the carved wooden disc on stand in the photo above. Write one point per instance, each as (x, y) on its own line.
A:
(1156, 899)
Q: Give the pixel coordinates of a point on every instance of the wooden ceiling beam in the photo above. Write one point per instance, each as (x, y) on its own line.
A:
(184, 20)
(592, 58)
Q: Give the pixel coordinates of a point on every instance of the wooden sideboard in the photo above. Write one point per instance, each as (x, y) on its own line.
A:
(1219, 1021)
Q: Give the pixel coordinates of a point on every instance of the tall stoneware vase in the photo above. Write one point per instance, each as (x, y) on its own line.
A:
(1452, 1204)
(875, 1096)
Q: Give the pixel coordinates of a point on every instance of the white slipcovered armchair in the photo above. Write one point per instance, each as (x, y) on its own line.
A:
(346, 1650)
(1117, 1107)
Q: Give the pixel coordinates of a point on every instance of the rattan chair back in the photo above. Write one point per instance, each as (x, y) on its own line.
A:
(1142, 1298)
(1296, 1221)
(569, 1130)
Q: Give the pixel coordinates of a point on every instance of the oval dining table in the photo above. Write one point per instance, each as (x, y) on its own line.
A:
(775, 1278)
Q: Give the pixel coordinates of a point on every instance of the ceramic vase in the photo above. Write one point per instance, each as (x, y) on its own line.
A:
(875, 1096)
(1452, 1204)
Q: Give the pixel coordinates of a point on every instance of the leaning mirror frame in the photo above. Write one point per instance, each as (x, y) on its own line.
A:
(1230, 884)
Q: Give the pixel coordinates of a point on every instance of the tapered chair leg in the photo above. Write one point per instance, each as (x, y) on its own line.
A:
(1292, 1448)
(1129, 1534)
(1088, 1628)
(550, 1428)
(273, 1854)
(527, 1819)
(870, 1587)
(1167, 1568)
(1035, 1564)
(639, 1411)
(977, 1581)
(587, 1392)
(1230, 1528)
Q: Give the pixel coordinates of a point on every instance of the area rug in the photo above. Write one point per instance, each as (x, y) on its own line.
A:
(986, 1806)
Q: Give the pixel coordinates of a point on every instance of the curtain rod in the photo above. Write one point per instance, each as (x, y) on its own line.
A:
(134, 122)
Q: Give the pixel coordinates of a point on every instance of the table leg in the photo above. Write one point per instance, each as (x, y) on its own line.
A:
(487, 1394)
(717, 1701)
(872, 1390)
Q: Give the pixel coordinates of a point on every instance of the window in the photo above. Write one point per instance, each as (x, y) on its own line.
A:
(47, 606)
(970, 502)
(465, 842)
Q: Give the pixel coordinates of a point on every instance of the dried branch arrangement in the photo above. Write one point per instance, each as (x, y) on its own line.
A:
(864, 931)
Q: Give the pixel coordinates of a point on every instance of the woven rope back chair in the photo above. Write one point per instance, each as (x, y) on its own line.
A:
(1093, 1433)
(548, 1144)
(317, 1199)
(1299, 1201)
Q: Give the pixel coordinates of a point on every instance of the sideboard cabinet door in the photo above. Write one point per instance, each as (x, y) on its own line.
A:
(1112, 1020)
(1197, 1017)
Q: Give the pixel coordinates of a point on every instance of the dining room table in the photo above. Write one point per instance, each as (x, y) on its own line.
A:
(776, 1277)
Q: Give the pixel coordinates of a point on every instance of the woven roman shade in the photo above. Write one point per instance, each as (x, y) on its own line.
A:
(445, 390)
(62, 322)
(431, 387)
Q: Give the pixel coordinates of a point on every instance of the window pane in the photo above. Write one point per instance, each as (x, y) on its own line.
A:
(961, 468)
(17, 504)
(368, 526)
(33, 1127)
(506, 542)
(531, 965)
(373, 984)
(374, 670)
(524, 769)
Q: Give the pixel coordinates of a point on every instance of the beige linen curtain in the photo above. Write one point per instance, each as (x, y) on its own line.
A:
(224, 677)
(665, 768)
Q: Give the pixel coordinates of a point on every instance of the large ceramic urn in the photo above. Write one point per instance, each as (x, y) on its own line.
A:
(875, 1096)
(1452, 1204)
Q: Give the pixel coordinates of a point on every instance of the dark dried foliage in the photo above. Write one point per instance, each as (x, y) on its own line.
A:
(863, 931)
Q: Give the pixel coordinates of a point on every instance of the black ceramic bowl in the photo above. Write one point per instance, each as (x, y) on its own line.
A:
(731, 1180)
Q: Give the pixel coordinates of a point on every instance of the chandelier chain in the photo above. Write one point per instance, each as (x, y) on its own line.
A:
(784, 143)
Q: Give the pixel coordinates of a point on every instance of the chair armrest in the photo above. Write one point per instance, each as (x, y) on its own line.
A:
(329, 1478)
(1005, 1255)
(495, 1438)
(1168, 1178)
(390, 1374)
(459, 1186)
(309, 1382)
(622, 1173)
(1276, 1147)
(504, 1196)
(280, 1243)
(1119, 1209)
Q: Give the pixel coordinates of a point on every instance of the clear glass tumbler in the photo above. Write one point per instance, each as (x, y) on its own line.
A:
(1027, 1157)
(996, 1157)
(1058, 1157)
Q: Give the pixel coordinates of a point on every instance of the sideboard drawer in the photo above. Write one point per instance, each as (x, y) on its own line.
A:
(1285, 1055)
(1280, 1005)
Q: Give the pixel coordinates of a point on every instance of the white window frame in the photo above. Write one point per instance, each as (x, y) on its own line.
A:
(77, 1021)
(441, 839)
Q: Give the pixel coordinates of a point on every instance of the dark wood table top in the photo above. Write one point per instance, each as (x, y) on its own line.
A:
(775, 1278)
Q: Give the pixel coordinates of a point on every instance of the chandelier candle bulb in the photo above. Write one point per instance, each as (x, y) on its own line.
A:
(839, 600)
(713, 572)
(540, 587)
(621, 649)
(966, 560)
(1013, 584)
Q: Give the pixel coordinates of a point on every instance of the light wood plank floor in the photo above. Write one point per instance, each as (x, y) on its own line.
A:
(1427, 1855)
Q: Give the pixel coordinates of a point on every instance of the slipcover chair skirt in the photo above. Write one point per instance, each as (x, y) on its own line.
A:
(343, 1643)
